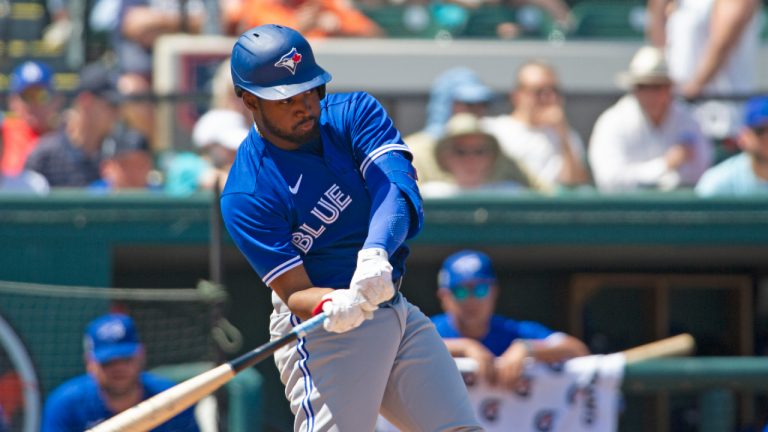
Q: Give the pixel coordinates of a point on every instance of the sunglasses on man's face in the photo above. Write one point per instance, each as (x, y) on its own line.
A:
(478, 290)
(35, 96)
(761, 131)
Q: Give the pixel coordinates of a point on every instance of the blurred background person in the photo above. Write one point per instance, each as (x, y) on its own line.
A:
(34, 110)
(216, 136)
(126, 162)
(456, 90)
(469, 159)
(25, 181)
(468, 290)
(537, 132)
(115, 381)
(712, 48)
(747, 172)
(312, 18)
(71, 156)
(141, 22)
(648, 140)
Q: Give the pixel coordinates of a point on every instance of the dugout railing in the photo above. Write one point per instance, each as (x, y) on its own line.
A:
(538, 243)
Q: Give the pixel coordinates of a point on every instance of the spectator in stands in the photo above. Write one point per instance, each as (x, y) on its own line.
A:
(71, 156)
(469, 159)
(537, 132)
(217, 134)
(467, 290)
(126, 162)
(34, 111)
(746, 173)
(114, 382)
(455, 90)
(712, 48)
(648, 140)
(313, 18)
(141, 22)
(24, 182)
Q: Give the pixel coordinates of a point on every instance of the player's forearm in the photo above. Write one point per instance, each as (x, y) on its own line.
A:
(389, 221)
(143, 24)
(459, 347)
(656, 30)
(302, 303)
(557, 347)
(730, 18)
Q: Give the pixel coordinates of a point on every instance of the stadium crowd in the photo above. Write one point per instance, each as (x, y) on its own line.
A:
(660, 135)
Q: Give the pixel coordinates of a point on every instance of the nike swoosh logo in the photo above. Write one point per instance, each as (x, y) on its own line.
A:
(295, 187)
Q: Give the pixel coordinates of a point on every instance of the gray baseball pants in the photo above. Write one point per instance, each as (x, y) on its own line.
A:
(395, 364)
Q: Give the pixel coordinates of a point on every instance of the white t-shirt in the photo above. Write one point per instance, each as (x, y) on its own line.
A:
(27, 182)
(688, 34)
(626, 152)
(732, 177)
(538, 149)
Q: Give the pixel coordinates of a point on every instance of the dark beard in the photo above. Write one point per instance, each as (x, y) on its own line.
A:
(291, 136)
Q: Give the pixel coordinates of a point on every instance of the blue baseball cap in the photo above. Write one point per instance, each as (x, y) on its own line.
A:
(465, 266)
(111, 337)
(472, 93)
(756, 112)
(29, 74)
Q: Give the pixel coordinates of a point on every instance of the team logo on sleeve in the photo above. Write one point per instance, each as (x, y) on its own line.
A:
(290, 61)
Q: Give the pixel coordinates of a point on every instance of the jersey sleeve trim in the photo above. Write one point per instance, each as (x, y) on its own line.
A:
(380, 151)
(282, 268)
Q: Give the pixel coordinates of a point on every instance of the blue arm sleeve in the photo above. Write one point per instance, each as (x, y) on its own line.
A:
(392, 216)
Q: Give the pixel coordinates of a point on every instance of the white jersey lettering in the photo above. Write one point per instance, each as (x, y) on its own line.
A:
(336, 203)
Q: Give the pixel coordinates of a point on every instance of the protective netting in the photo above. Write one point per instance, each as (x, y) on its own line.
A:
(41, 334)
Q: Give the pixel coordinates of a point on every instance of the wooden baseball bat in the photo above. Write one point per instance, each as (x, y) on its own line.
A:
(682, 344)
(163, 406)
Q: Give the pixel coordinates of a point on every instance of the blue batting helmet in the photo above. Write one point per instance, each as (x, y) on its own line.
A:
(275, 62)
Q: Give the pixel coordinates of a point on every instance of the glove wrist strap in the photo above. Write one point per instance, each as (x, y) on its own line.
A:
(319, 307)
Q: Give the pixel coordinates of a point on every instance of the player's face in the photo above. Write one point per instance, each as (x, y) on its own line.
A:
(469, 159)
(289, 123)
(755, 142)
(537, 87)
(472, 304)
(654, 99)
(118, 377)
(37, 106)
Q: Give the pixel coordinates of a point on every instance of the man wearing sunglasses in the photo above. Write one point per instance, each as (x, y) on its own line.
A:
(33, 112)
(648, 140)
(467, 290)
(745, 173)
(537, 131)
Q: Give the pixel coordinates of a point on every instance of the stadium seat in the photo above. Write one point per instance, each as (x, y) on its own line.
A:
(533, 22)
(603, 19)
(438, 20)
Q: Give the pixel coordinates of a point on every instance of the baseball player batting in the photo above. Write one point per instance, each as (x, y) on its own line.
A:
(321, 199)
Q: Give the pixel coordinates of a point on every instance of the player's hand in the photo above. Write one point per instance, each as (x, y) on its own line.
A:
(484, 358)
(343, 310)
(509, 366)
(373, 277)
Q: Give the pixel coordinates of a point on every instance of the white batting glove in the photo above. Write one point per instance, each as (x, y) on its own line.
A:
(343, 311)
(373, 277)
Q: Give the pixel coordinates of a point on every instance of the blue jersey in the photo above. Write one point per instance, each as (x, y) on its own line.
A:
(501, 334)
(77, 405)
(311, 206)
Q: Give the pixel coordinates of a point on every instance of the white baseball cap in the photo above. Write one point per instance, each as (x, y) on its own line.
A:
(220, 126)
(648, 66)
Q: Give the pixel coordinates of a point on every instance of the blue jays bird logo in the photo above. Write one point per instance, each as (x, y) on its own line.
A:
(290, 61)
